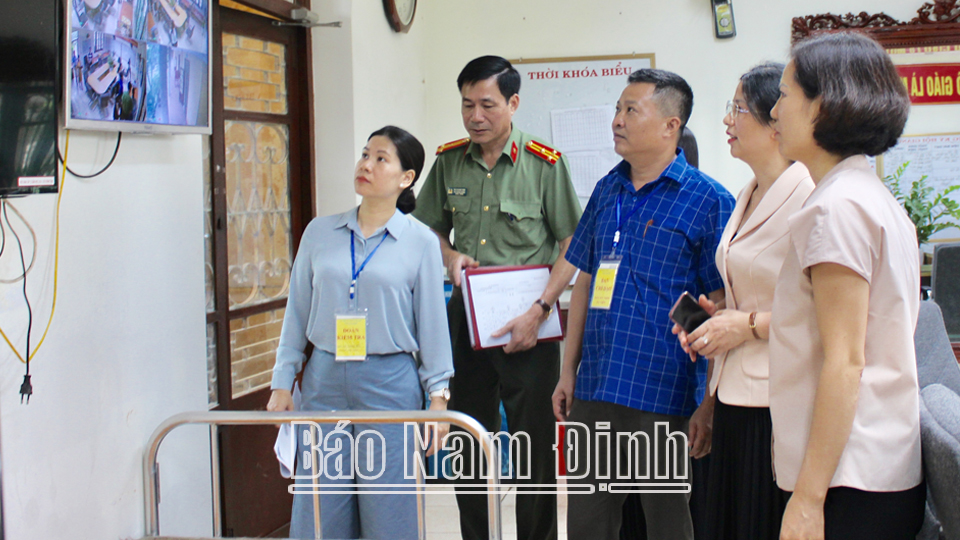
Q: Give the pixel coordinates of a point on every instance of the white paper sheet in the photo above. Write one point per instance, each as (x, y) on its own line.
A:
(286, 446)
(587, 168)
(583, 128)
(498, 297)
(585, 136)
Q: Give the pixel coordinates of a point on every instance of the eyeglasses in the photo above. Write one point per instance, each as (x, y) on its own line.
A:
(733, 109)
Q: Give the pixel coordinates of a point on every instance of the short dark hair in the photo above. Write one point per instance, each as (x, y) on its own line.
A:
(411, 155)
(481, 69)
(863, 102)
(761, 90)
(672, 92)
(688, 143)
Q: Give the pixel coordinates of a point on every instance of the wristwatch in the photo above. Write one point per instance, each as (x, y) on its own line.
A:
(444, 393)
(544, 306)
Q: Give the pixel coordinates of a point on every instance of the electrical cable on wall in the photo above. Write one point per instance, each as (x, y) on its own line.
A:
(26, 389)
(98, 173)
(3, 245)
(33, 257)
(3, 239)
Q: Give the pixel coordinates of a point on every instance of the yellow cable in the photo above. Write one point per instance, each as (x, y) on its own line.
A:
(56, 260)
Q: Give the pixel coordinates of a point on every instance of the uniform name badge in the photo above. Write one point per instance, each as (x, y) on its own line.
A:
(604, 282)
(352, 336)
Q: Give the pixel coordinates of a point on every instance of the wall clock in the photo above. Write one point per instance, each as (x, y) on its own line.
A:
(400, 13)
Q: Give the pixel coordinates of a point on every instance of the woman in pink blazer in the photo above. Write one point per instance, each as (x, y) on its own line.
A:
(743, 501)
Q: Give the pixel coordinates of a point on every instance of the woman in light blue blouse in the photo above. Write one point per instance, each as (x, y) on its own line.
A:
(369, 268)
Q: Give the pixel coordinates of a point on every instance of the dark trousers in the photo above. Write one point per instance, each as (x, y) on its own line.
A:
(598, 516)
(853, 514)
(524, 382)
(634, 526)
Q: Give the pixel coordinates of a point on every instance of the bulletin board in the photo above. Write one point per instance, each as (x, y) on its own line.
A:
(934, 148)
(569, 103)
(935, 155)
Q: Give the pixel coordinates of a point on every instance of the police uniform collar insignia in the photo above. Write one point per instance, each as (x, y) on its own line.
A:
(543, 152)
(514, 151)
(451, 145)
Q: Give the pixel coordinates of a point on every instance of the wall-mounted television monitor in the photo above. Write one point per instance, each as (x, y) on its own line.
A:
(29, 89)
(138, 65)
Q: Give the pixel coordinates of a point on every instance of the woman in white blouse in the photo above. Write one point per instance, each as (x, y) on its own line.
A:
(843, 376)
(743, 501)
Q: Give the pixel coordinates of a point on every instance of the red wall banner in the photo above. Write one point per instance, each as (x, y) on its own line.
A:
(931, 84)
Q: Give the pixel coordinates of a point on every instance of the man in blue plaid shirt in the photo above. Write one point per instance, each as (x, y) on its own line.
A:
(649, 233)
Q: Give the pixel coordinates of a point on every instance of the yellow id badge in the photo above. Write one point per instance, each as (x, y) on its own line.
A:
(351, 337)
(604, 282)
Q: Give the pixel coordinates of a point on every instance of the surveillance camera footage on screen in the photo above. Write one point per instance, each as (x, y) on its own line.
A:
(140, 63)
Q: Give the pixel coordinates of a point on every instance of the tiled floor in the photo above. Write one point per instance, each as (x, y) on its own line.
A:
(443, 519)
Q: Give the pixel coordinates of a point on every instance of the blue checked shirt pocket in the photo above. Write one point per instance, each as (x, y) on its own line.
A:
(663, 250)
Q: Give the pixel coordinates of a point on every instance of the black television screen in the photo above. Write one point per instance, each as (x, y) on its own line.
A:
(29, 88)
(138, 65)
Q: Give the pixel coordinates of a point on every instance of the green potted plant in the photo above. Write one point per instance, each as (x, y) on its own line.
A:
(930, 212)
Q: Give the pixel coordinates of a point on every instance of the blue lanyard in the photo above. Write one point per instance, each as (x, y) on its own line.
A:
(355, 272)
(616, 235)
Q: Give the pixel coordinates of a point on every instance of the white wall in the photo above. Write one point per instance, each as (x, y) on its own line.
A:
(390, 72)
(410, 79)
(334, 107)
(679, 32)
(126, 348)
(385, 84)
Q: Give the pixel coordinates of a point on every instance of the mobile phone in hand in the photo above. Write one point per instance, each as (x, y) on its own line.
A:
(687, 313)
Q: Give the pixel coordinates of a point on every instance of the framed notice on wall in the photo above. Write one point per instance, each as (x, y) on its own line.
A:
(936, 156)
(569, 104)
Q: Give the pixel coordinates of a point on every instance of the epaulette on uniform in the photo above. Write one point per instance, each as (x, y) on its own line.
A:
(451, 145)
(543, 152)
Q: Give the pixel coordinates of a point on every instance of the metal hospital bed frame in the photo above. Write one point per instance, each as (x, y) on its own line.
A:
(151, 475)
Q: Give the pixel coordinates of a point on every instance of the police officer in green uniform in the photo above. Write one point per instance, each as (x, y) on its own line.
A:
(509, 200)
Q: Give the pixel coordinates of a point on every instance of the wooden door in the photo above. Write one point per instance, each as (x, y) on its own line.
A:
(260, 202)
